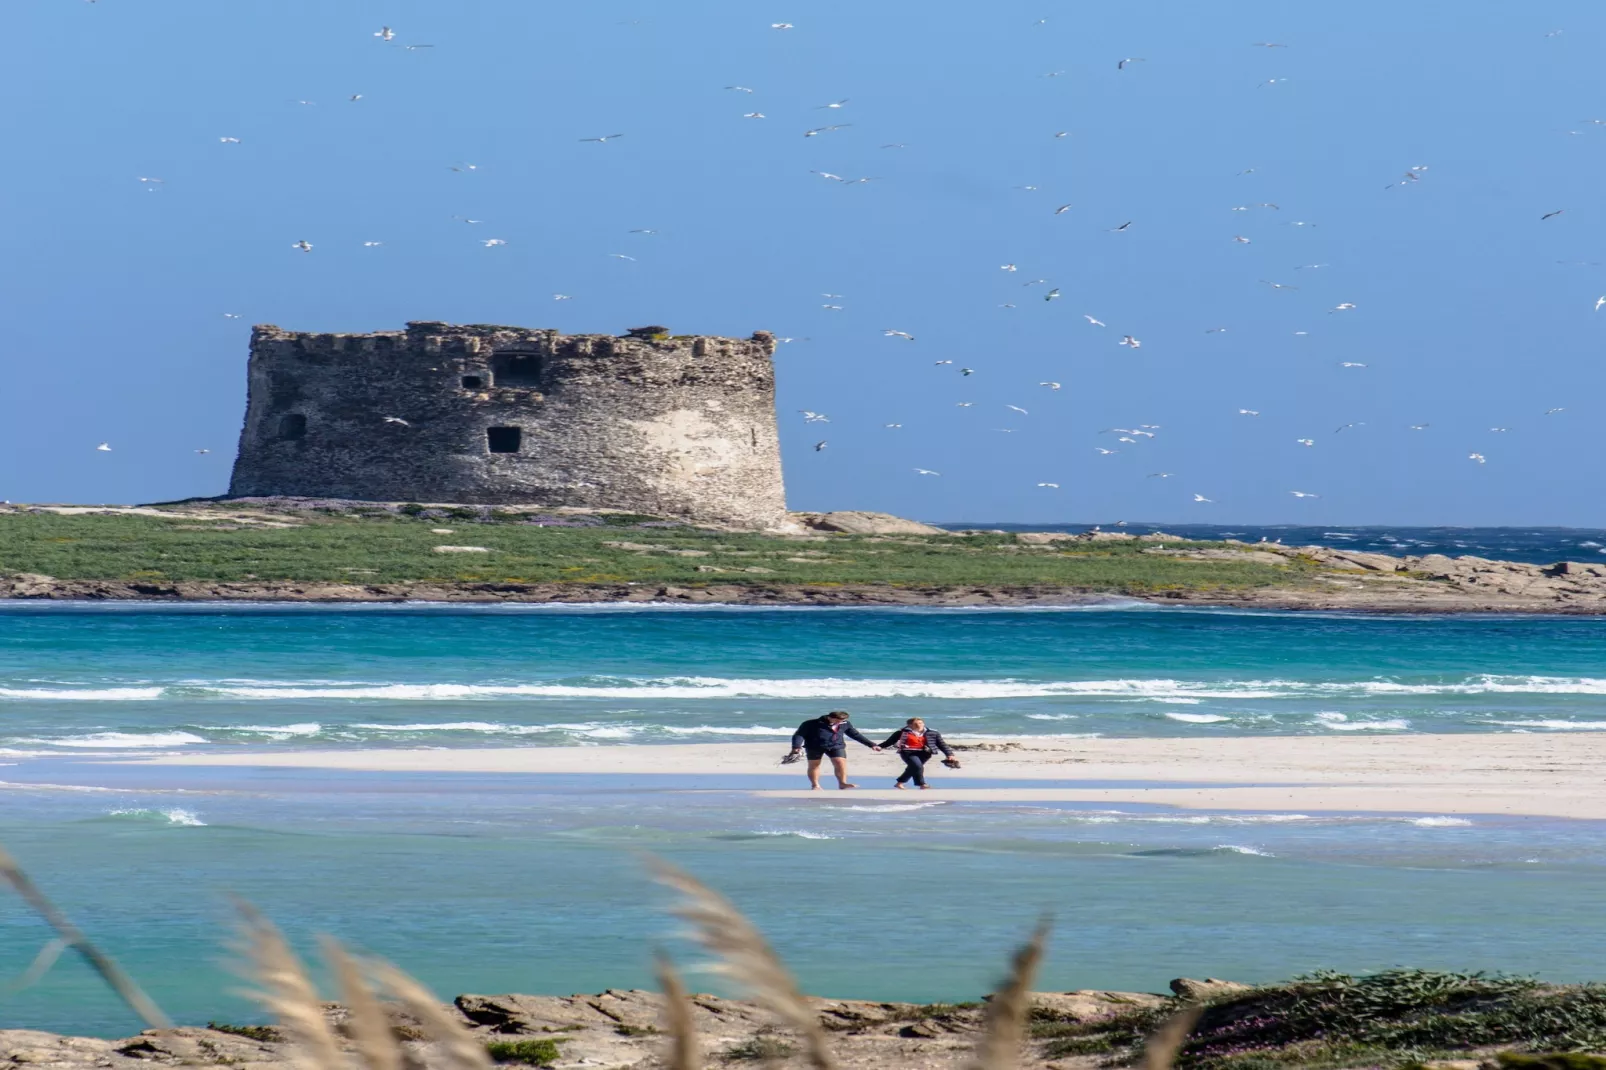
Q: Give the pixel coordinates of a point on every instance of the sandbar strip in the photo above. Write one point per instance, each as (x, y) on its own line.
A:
(1553, 774)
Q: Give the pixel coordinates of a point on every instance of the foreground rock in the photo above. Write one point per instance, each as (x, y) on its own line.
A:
(1400, 1017)
(611, 1029)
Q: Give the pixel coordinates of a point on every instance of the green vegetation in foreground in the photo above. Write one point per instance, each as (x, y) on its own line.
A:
(543, 1052)
(1399, 1018)
(384, 547)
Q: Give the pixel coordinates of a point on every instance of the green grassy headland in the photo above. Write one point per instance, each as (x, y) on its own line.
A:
(377, 546)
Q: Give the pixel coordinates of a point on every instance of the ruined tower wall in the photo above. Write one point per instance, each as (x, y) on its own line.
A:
(504, 415)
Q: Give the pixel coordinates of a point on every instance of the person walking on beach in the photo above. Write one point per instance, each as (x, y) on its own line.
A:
(916, 745)
(822, 737)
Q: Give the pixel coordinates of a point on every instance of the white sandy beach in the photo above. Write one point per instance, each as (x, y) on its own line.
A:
(1549, 775)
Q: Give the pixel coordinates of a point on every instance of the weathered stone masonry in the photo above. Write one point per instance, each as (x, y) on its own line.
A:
(483, 414)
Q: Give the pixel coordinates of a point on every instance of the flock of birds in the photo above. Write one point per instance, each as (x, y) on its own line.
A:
(1133, 438)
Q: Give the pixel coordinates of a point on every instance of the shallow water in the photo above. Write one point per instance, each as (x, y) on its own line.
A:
(534, 884)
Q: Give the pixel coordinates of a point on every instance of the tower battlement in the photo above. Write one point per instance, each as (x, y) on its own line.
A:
(673, 426)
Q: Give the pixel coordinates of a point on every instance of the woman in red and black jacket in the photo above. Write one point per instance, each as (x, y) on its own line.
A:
(916, 745)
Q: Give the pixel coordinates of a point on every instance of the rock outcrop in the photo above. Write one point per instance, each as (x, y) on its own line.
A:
(855, 522)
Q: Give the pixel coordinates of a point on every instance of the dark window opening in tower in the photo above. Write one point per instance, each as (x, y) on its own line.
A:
(516, 369)
(473, 382)
(292, 425)
(753, 434)
(504, 439)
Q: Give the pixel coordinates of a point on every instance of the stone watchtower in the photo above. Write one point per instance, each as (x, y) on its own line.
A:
(681, 426)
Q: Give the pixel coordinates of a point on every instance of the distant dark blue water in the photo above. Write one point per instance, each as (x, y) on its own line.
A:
(1539, 546)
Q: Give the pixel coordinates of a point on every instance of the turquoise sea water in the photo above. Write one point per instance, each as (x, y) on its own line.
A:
(483, 883)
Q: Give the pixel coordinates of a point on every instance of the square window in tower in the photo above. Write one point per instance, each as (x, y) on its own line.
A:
(516, 369)
(504, 439)
(292, 426)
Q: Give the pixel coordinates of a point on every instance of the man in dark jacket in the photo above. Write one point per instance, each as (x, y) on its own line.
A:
(916, 745)
(823, 737)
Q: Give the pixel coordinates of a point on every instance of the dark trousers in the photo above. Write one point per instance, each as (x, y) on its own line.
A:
(914, 766)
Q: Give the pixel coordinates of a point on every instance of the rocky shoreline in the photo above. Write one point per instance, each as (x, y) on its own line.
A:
(1333, 580)
(616, 1029)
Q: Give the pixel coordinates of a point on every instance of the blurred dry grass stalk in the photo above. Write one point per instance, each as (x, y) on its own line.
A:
(370, 1039)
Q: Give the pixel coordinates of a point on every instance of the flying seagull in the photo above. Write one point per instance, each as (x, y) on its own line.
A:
(1094, 322)
(1303, 494)
(1201, 498)
(1055, 292)
(1121, 66)
(818, 446)
(104, 447)
(1306, 441)
(898, 334)
(1548, 215)
(927, 472)
(304, 246)
(1105, 452)
(1018, 409)
(1477, 457)
(1055, 486)
(1062, 209)
(396, 420)
(1130, 342)
(601, 140)
(1051, 386)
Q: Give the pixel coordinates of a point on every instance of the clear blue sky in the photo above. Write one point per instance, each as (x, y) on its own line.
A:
(1470, 312)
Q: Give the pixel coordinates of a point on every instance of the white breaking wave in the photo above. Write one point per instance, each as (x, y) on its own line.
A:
(1440, 822)
(119, 740)
(813, 688)
(283, 731)
(93, 694)
(714, 687)
(1198, 718)
(1240, 849)
(186, 818)
(1339, 722)
(1557, 725)
(801, 834)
